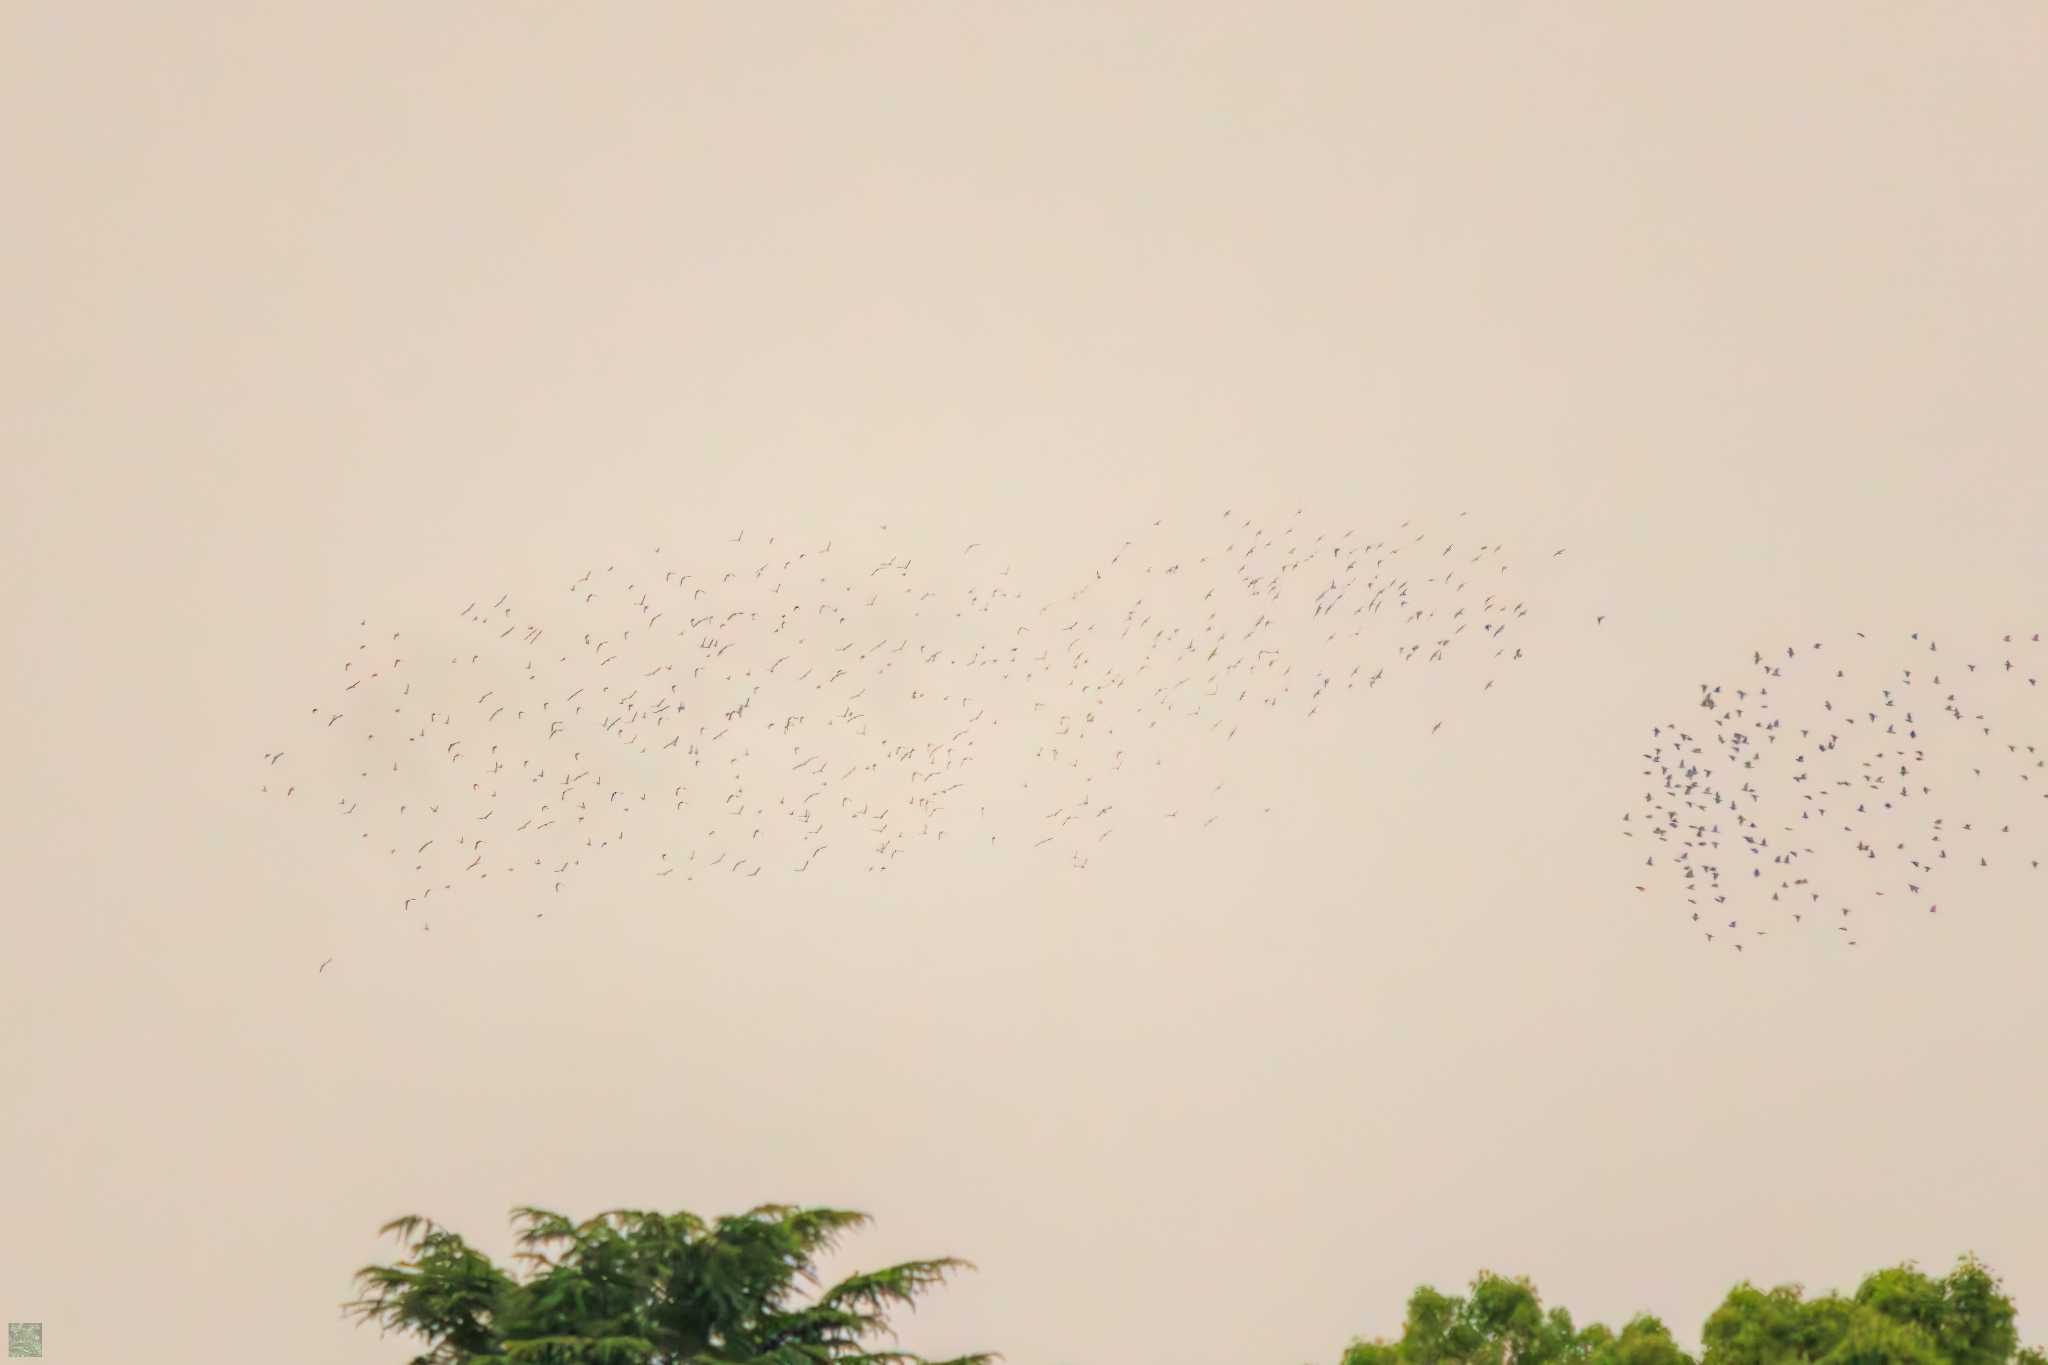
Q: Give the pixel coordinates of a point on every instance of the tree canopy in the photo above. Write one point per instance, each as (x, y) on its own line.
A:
(1897, 1316)
(628, 1287)
(1502, 1321)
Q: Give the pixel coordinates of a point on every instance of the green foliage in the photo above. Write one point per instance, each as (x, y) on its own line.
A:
(1753, 1327)
(1502, 1321)
(1897, 1316)
(635, 1288)
(1644, 1341)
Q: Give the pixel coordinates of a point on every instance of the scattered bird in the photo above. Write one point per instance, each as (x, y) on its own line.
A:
(793, 697)
(1857, 783)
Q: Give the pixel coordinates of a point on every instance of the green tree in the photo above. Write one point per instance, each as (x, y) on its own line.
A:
(1775, 1327)
(1644, 1341)
(1898, 1314)
(1873, 1339)
(634, 1288)
(1501, 1321)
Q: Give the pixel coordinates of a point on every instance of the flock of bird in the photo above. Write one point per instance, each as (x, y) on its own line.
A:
(824, 711)
(1845, 781)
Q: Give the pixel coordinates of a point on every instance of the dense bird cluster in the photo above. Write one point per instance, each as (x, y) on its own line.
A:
(1847, 781)
(824, 711)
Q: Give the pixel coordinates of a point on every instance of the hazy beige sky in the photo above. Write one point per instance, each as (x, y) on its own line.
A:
(318, 314)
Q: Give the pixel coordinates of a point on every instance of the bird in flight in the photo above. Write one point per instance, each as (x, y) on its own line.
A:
(1145, 628)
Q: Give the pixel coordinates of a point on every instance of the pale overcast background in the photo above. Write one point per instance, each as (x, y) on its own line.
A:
(315, 314)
